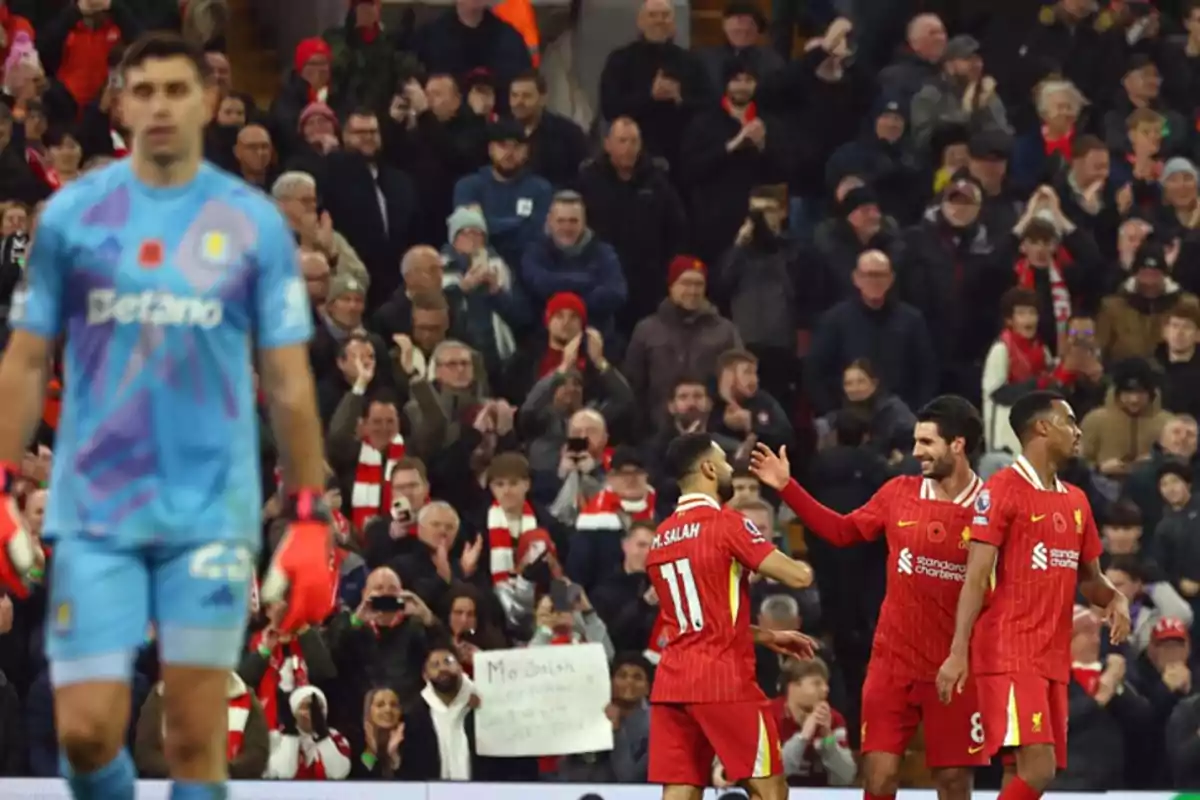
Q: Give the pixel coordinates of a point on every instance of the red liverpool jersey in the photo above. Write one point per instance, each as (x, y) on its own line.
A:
(1042, 535)
(700, 563)
(927, 564)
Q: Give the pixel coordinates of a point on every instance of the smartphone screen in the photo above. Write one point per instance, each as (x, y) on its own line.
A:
(577, 444)
(560, 596)
(387, 603)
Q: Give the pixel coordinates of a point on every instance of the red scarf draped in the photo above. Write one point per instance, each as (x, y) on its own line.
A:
(552, 360)
(372, 493)
(1059, 146)
(500, 540)
(1060, 296)
(751, 110)
(266, 689)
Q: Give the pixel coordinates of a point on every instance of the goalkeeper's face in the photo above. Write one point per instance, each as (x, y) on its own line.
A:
(166, 106)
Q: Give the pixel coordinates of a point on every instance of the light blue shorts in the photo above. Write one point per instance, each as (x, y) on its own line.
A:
(103, 598)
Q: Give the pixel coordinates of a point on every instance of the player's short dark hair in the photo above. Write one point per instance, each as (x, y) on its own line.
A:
(534, 77)
(955, 418)
(163, 45)
(1030, 408)
(1131, 565)
(684, 452)
(1188, 7)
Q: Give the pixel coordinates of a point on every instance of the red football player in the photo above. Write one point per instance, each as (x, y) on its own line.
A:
(925, 520)
(706, 701)
(1033, 539)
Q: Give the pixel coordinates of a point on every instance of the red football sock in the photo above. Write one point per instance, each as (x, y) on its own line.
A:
(868, 796)
(1018, 789)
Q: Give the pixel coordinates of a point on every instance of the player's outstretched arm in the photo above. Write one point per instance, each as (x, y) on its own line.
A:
(981, 559)
(786, 570)
(1099, 591)
(774, 470)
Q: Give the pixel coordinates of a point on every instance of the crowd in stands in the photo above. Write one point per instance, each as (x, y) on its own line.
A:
(784, 241)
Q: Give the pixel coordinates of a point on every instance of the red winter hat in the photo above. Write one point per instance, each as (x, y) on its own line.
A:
(566, 301)
(308, 49)
(1169, 629)
(682, 264)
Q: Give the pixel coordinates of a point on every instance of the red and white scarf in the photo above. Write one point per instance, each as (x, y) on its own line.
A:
(1060, 296)
(605, 510)
(501, 542)
(372, 495)
(286, 666)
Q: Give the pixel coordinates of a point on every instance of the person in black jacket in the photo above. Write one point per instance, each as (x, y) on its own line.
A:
(727, 150)
(623, 598)
(557, 145)
(882, 329)
(655, 81)
(468, 37)
(633, 206)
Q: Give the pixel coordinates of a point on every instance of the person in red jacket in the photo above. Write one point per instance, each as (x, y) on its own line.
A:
(76, 44)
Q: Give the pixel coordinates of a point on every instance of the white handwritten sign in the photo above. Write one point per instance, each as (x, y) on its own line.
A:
(543, 701)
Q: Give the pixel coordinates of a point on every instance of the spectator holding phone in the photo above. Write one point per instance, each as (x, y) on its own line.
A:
(383, 642)
(564, 615)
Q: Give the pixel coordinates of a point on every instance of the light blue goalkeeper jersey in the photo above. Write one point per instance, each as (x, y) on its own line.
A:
(161, 294)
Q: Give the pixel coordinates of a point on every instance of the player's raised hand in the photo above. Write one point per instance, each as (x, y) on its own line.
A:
(21, 553)
(792, 643)
(952, 677)
(1117, 617)
(301, 574)
(772, 470)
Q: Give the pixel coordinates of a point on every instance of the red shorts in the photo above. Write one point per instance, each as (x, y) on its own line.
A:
(892, 707)
(1022, 708)
(684, 737)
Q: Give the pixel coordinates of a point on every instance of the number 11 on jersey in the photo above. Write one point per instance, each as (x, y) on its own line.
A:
(688, 611)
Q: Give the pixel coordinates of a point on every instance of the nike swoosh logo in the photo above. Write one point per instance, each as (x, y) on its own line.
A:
(904, 524)
(973, 750)
(1037, 518)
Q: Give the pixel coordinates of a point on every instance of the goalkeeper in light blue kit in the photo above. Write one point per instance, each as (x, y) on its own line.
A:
(161, 273)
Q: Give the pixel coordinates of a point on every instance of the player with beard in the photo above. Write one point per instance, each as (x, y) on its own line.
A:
(706, 700)
(925, 520)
